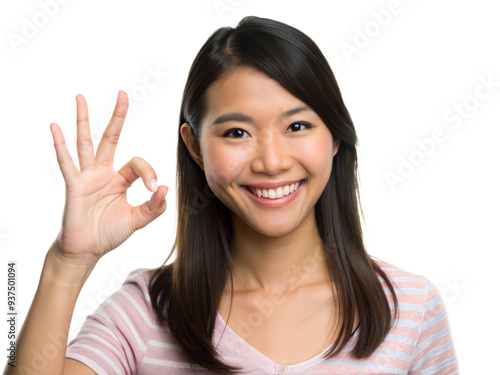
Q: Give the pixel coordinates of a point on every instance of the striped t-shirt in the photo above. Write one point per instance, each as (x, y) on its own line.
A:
(124, 336)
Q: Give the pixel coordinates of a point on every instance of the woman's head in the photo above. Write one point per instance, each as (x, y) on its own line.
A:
(293, 75)
(291, 72)
(255, 132)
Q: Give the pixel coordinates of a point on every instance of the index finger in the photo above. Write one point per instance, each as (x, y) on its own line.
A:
(107, 145)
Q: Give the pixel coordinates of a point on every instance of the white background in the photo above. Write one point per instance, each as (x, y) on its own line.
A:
(415, 67)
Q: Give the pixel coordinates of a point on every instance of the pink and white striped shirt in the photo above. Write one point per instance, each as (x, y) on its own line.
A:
(124, 336)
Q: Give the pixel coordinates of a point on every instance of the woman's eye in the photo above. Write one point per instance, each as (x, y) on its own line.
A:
(237, 132)
(297, 125)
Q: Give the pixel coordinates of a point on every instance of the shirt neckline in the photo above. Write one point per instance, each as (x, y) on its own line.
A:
(258, 358)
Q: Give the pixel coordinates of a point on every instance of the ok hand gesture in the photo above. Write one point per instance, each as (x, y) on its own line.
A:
(97, 217)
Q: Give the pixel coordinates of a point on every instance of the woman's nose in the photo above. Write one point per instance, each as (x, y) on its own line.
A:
(272, 153)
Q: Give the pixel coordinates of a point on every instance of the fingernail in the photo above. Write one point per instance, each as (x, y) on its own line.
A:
(153, 185)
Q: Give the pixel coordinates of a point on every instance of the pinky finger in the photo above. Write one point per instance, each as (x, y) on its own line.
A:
(66, 164)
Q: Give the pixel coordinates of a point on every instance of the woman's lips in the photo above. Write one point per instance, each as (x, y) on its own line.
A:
(276, 202)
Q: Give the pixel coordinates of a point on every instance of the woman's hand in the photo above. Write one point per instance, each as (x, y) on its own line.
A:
(97, 217)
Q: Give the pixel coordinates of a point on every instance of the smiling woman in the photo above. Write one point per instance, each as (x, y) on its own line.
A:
(278, 147)
(271, 276)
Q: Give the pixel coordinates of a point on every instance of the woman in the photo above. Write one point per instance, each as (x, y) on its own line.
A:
(271, 274)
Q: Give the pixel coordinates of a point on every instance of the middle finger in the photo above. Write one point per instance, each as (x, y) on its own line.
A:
(83, 139)
(107, 146)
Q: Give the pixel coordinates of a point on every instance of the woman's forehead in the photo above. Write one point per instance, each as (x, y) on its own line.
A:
(246, 88)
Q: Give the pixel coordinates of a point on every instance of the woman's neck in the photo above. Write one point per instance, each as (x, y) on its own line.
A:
(277, 263)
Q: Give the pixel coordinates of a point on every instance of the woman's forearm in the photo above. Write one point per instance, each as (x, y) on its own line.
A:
(42, 341)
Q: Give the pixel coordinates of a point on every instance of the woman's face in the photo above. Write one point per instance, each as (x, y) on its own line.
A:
(255, 132)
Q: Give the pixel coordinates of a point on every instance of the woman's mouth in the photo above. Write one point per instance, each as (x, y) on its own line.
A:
(275, 193)
(275, 197)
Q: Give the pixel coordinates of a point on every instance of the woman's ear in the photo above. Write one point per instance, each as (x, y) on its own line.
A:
(336, 145)
(192, 144)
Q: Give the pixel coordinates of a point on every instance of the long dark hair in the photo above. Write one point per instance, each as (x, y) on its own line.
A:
(186, 294)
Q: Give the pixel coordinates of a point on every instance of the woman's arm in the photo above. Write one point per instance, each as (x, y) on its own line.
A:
(97, 218)
(42, 341)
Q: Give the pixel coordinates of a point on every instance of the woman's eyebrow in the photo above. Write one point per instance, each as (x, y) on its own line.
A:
(295, 110)
(234, 116)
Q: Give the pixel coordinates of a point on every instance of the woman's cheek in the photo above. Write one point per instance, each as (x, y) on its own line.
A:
(225, 167)
(318, 152)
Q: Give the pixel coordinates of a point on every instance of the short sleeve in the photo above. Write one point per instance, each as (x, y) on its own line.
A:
(114, 338)
(434, 352)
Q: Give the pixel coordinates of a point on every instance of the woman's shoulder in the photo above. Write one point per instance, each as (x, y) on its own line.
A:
(132, 297)
(422, 321)
(131, 302)
(124, 332)
(139, 277)
(413, 290)
(399, 275)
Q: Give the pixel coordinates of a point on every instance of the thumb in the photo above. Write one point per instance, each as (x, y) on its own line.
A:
(148, 211)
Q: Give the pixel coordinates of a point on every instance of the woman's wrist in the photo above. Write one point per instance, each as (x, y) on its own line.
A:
(66, 271)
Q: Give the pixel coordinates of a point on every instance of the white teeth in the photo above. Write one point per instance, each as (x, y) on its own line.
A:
(276, 193)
